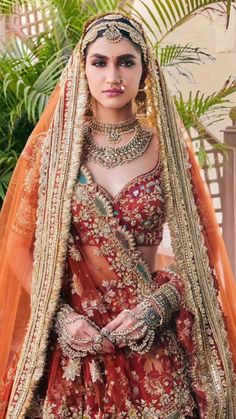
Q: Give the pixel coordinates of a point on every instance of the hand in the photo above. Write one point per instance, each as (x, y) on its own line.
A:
(82, 329)
(126, 324)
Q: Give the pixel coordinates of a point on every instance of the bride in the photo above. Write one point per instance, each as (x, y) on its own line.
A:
(91, 326)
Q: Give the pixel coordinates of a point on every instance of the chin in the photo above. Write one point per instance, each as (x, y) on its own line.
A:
(114, 103)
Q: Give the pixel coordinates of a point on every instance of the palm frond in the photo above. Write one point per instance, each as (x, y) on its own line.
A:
(175, 55)
(164, 16)
(36, 97)
(209, 109)
(102, 6)
(7, 6)
(31, 78)
(228, 9)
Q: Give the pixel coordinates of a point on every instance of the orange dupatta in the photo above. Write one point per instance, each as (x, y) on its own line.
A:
(17, 241)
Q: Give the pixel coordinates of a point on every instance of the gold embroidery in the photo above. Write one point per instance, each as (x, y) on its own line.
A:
(57, 179)
(95, 371)
(76, 287)
(58, 174)
(25, 218)
(128, 262)
(211, 354)
(72, 369)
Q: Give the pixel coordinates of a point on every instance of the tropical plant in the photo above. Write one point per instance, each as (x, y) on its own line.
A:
(30, 67)
(208, 108)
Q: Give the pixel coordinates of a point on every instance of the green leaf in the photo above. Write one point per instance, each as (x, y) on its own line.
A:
(208, 108)
(165, 16)
(175, 55)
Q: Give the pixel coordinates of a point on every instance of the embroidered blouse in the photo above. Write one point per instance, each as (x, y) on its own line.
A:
(139, 207)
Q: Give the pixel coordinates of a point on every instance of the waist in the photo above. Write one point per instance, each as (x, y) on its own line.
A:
(148, 253)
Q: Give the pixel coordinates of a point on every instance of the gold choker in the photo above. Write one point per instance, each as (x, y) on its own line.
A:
(113, 156)
(114, 130)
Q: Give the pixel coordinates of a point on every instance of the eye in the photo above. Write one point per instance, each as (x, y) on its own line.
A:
(99, 63)
(127, 63)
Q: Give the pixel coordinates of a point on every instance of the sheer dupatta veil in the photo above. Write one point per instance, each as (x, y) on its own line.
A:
(35, 225)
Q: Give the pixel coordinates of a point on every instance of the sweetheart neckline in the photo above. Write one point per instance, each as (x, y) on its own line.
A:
(114, 199)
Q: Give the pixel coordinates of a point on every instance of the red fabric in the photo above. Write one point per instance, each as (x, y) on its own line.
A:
(139, 207)
(124, 383)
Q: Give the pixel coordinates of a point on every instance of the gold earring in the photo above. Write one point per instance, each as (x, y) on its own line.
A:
(141, 103)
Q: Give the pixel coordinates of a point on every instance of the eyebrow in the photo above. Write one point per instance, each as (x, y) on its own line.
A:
(96, 55)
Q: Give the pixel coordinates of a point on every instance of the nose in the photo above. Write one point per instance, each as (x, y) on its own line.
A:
(113, 75)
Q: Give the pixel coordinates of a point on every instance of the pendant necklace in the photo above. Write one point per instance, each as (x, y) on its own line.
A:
(114, 130)
(110, 156)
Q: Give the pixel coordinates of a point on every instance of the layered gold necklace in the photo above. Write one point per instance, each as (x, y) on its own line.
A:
(110, 156)
(114, 130)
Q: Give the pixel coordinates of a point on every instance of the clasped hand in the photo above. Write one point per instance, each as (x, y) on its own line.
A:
(124, 328)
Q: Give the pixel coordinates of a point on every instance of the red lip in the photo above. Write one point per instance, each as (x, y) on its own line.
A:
(113, 91)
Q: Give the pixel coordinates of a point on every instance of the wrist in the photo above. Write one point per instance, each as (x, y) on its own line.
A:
(165, 302)
(71, 344)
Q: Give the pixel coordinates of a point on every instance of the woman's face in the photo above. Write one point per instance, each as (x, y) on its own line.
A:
(106, 64)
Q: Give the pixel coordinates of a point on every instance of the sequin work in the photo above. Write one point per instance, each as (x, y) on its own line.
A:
(139, 206)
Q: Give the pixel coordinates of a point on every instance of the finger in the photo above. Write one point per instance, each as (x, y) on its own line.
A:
(88, 330)
(81, 329)
(125, 325)
(122, 345)
(137, 335)
(107, 346)
(115, 323)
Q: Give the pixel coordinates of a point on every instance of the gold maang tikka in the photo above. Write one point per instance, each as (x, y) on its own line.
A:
(112, 32)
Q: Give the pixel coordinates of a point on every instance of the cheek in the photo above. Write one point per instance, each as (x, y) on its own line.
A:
(133, 81)
(133, 76)
(93, 78)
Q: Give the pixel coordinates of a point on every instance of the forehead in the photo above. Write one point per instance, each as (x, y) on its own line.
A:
(112, 49)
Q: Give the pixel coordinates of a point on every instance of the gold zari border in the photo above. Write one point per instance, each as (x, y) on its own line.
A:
(212, 354)
(60, 165)
(58, 174)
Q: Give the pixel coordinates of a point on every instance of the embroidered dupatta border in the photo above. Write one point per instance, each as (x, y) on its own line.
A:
(58, 176)
(58, 173)
(212, 353)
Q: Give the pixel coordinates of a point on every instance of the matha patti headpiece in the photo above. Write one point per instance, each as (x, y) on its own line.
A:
(112, 32)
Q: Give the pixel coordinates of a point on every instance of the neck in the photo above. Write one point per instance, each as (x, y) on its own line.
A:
(112, 116)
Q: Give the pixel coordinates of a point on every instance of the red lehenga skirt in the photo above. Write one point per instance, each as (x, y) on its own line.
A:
(124, 384)
(100, 281)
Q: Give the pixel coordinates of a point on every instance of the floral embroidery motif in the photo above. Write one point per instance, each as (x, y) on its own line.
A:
(101, 223)
(72, 369)
(25, 219)
(124, 385)
(139, 206)
(115, 387)
(95, 372)
(73, 250)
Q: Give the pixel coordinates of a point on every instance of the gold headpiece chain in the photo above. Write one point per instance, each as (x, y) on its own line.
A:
(112, 32)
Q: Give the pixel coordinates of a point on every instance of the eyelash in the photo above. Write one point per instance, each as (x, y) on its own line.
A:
(101, 63)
